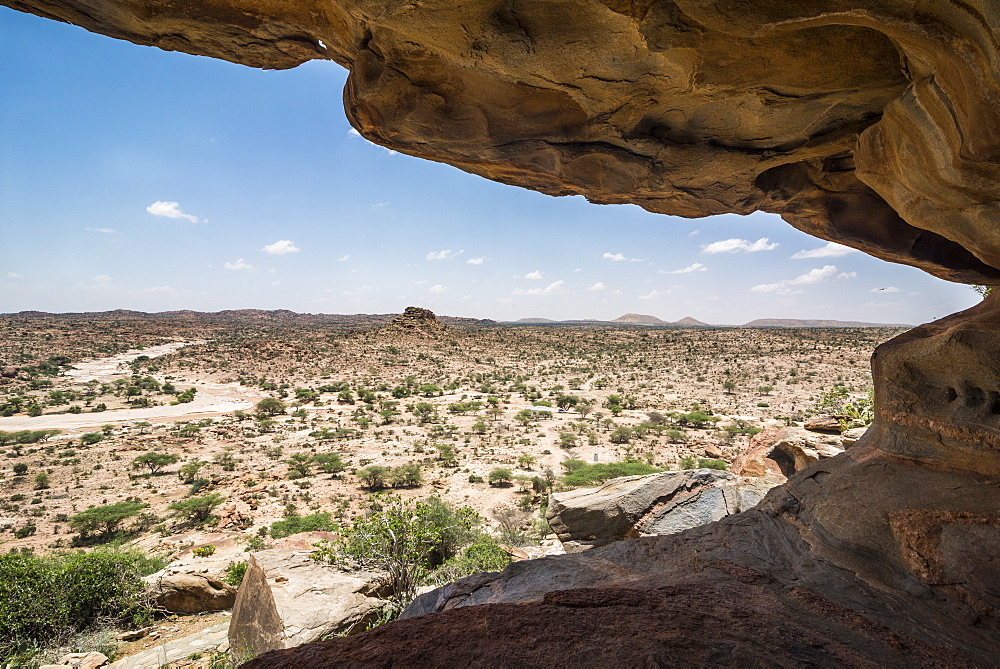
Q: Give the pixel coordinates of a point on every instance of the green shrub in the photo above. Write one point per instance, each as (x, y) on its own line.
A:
(204, 551)
(235, 571)
(294, 524)
(500, 477)
(197, 509)
(46, 599)
(599, 473)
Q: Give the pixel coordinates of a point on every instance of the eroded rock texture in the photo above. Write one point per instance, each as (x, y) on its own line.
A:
(874, 123)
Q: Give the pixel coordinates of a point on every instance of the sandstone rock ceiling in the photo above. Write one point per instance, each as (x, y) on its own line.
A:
(874, 123)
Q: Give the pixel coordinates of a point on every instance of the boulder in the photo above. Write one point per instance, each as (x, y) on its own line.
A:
(661, 503)
(9, 372)
(91, 660)
(784, 451)
(287, 599)
(823, 424)
(192, 593)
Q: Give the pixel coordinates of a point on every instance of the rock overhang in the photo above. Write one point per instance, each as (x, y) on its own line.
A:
(872, 123)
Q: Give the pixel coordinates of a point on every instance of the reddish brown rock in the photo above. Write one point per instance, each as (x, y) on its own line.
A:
(784, 451)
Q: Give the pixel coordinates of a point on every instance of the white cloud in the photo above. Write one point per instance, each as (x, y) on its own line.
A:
(170, 210)
(597, 286)
(617, 257)
(812, 277)
(238, 265)
(696, 267)
(887, 289)
(653, 294)
(475, 261)
(638, 259)
(552, 289)
(344, 258)
(12, 275)
(106, 231)
(847, 275)
(357, 293)
(281, 247)
(438, 288)
(275, 283)
(735, 245)
(443, 254)
(354, 133)
(101, 278)
(831, 250)
(536, 275)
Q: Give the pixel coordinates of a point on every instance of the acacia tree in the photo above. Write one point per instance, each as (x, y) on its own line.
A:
(269, 406)
(154, 461)
(106, 519)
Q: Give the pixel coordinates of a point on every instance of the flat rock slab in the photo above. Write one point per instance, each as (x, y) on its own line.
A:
(210, 639)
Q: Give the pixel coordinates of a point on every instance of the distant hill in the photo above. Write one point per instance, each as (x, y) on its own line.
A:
(690, 322)
(639, 319)
(811, 323)
(536, 320)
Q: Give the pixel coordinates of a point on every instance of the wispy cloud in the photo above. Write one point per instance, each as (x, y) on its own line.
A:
(654, 294)
(695, 267)
(597, 286)
(354, 133)
(552, 289)
(616, 257)
(736, 245)
(238, 265)
(438, 288)
(831, 250)
(12, 275)
(105, 231)
(101, 278)
(281, 247)
(443, 254)
(536, 275)
(344, 258)
(170, 210)
(475, 261)
(812, 277)
(276, 283)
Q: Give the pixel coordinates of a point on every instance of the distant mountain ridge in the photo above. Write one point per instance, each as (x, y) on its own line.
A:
(284, 316)
(817, 323)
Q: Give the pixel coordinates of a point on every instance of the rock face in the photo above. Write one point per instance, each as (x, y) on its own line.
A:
(873, 123)
(785, 451)
(287, 599)
(662, 503)
(867, 122)
(192, 593)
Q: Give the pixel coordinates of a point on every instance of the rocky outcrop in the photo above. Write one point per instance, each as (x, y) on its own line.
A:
(191, 593)
(287, 599)
(662, 503)
(829, 424)
(785, 450)
(415, 320)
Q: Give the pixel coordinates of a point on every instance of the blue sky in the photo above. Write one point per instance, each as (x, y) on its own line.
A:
(140, 179)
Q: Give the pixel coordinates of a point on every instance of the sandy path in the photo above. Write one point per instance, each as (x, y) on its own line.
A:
(212, 399)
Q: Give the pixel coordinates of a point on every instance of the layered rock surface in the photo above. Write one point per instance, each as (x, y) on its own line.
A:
(663, 503)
